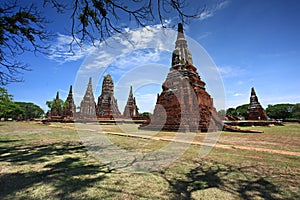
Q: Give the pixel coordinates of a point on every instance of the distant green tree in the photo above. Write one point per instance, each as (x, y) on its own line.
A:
(31, 110)
(13, 111)
(4, 96)
(8, 108)
(242, 110)
(296, 111)
(58, 105)
(222, 112)
(231, 112)
(280, 111)
(146, 114)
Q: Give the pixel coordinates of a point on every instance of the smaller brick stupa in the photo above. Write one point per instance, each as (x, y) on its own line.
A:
(70, 109)
(88, 104)
(255, 110)
(131, 109)
(107, 106)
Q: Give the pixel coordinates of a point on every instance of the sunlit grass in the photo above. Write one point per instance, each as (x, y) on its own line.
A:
(49, 162)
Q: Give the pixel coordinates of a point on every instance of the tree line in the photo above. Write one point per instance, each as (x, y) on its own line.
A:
(27, 111)
(17, 110)
(283, 111)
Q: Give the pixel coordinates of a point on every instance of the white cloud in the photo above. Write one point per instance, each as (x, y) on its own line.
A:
(240, 82)
(210, 12)
(223, 4)
(205, 35)
(138, 58)
(206, 14)
(238, 94)
(60, 51)
(230, 71)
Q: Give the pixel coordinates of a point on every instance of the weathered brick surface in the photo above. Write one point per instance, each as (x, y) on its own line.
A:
(131, 110)
(88, 104)
(184, 104)
(255, 110)
(70, 109)
(107, 106)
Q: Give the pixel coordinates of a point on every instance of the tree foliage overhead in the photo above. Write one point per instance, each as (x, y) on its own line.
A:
(22, 28)
(99, 19)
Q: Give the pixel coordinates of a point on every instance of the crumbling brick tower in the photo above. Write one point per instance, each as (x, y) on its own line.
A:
(184, 104)
(131, 109)
(255, 110)
(107, 106)
(70, 109)
(88, 104)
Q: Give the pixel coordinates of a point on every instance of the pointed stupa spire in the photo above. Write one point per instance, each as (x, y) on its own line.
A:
(181, 41)
(89, 90)
(70, 96)
(253, 98)
(88, 104)
(70, 90)
(130, 92)
(131, 109)
(253, 92)
(57, 95)
(255, 110)
(90, 85)
(181, 54)
(70, 109)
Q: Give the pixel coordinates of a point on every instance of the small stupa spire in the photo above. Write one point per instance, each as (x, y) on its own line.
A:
(181, 55)
(253, 92)
(130, 93)
(70, 90)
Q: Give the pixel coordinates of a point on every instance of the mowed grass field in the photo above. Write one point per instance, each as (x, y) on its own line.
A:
(51, 162)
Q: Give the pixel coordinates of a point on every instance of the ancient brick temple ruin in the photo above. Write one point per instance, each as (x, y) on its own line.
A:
(255, 110)
(184, 104)
(88, 104)
(61, 110)
(131, 110)
(70, 109)
(107, 106)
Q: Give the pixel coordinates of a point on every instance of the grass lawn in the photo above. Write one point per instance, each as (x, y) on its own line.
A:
(51, 162)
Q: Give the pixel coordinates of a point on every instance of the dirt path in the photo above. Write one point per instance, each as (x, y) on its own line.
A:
(222, 146)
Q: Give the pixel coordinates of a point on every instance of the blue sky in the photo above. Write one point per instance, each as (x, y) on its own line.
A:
(251, 44)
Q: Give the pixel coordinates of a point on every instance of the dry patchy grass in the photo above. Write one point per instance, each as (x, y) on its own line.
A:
(42, 162)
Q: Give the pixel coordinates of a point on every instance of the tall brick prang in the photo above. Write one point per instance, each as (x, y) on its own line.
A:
(131, 109)
(88, 104)
(184, 104)
(107, 106)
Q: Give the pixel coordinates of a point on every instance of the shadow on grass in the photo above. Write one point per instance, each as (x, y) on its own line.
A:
(231, 180)
(64, 167)
(8, 141)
